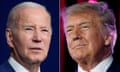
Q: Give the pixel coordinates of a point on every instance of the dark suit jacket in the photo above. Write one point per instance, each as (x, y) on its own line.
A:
(5, 67)
(114, 67)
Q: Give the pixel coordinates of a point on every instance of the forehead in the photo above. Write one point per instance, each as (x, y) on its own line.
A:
(82, 17)
(31, 10)
(33, 15)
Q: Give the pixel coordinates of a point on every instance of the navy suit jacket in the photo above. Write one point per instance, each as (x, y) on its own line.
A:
(6, 67)
(114, 67)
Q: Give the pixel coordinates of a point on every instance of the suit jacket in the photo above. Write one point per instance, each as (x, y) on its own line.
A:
(114, 67)
(6, 67)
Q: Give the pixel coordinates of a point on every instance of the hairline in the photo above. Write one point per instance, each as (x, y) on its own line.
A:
(15, 11)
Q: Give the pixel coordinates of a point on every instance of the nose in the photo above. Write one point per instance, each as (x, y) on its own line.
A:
(37, 37)
(77, 35)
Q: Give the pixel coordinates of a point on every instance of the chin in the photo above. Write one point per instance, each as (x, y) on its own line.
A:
(38, 60)
(77, 56)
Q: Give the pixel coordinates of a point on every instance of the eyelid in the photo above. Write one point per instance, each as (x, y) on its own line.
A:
(46, 30)
(28, 28)
(69, 30)
(84, 27)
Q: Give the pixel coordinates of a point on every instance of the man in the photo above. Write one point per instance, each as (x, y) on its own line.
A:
(90, 32)
(28, 34)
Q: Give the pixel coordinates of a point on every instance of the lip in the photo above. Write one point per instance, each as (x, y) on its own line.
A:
(80, 46)
(36, 49)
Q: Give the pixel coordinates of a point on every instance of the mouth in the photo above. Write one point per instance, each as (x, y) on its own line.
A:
(36, 49)
(79, 46)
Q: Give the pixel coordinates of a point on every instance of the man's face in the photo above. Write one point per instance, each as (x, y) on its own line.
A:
(31, 36)
(84, 38)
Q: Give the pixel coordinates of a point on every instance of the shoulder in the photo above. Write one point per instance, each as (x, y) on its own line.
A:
(115, 66)
(5, 67)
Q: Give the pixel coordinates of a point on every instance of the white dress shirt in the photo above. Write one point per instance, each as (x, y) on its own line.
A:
(17, 66)
(101, 67)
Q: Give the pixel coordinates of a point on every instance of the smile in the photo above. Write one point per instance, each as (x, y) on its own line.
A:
(80, 46)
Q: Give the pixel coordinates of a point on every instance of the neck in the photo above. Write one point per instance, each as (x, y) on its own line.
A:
(34, 69)
(31, 67)
(89, 63)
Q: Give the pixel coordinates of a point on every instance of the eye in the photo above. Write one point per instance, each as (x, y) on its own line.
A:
(69, 30)
(85, 27)
(27, 28)
(45, 30)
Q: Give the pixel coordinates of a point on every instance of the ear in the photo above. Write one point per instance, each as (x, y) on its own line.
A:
(108, 40)
(9, 37)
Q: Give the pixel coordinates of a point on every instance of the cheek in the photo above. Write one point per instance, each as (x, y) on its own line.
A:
(26, 40)
(21, 47)
(96, 41)
(92, 37)
(23, 43)
(22, 40)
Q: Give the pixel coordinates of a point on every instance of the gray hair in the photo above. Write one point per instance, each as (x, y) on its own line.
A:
(13, 13)
(101, 8)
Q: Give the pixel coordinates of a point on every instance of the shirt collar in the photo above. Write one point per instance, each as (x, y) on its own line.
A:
(101, 67)
(17, 66)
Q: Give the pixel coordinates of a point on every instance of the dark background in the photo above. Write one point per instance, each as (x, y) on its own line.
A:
(51, 64)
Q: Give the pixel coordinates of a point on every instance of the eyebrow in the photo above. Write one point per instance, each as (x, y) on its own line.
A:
(34, 26)
(85, 22)
(28, 26)
(70, 26)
